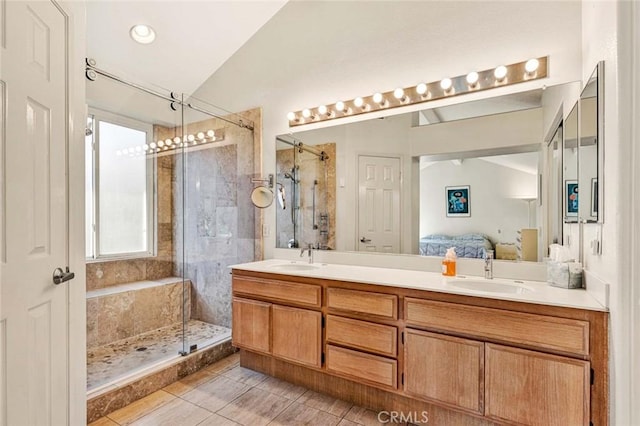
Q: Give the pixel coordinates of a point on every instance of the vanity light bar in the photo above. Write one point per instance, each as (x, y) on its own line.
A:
(503, 75)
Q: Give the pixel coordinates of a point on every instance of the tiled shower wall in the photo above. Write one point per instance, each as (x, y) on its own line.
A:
(221, 225)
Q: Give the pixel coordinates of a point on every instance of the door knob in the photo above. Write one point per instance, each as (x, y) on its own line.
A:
(365, 240)
(60, 276)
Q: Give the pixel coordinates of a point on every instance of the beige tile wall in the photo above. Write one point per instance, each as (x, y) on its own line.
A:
(120, 315)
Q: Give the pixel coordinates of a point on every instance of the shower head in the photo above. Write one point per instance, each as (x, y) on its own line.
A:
(288, 175)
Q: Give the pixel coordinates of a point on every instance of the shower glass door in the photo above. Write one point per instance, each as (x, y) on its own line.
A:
(215, 169)
(134, 287)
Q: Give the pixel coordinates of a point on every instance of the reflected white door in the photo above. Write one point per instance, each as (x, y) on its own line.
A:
(378, 204)
(33, 311)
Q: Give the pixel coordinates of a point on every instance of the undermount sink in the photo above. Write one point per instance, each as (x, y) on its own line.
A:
(490, 287)
(296, 267)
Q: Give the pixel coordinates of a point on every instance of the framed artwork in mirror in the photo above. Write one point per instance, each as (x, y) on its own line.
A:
(458, 201)
(594, 197)
(571, 198)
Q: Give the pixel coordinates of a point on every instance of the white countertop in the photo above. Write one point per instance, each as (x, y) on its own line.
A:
(533, 291)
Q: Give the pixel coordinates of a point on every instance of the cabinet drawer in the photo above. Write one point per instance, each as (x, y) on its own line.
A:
(546, 332)
(381, 339)
(363, 302)
(357, 365)
(279, 291)
(251, 324)
(532, 388)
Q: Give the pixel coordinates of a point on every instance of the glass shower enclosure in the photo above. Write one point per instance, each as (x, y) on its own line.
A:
(167, 210)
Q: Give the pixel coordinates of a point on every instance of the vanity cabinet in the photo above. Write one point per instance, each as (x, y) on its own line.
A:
(263, 323)
(470, 360)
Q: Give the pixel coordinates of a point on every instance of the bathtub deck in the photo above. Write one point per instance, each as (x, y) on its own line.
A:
(119, 359)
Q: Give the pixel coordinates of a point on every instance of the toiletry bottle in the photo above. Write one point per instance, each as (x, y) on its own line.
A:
(449, 263)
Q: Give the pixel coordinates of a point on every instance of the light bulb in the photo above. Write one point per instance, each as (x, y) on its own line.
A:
(531, 66)
(446, 84)
(160, 144)
(145, 147)
(500, 72)
(176, 139)
(200, 135)
(472, 78)
(190, 138)
(211, 133)
(421, 89)
(152, 145)
(340, 106)
(118, 153)
(322, 109)
(378, 98)
(167, 141)
(138, 149)
(291, 116)
(358, 102)
(398, 93)
(306, 113)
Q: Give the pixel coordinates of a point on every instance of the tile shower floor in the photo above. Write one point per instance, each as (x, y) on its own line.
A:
(225, 394)
(119, 359)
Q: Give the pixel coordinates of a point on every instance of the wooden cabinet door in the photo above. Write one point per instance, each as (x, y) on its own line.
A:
(532, 388)
(445, 369)
(297, 335)
(251, 324)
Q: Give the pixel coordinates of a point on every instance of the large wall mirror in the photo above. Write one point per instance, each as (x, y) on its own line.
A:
(570, 167)
(468, 175)
(591, 148)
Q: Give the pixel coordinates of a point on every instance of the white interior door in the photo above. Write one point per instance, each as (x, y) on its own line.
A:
(34, 337)
(378, 204)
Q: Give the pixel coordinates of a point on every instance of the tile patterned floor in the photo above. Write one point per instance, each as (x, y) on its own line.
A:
(110, 362)
(225, 394)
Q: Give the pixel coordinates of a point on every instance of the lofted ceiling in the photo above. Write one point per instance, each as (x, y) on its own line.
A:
(194, 38)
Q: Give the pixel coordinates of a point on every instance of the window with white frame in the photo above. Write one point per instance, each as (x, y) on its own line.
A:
(120, 188)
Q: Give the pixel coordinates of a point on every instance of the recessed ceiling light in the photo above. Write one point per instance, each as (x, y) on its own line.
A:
(143, 34)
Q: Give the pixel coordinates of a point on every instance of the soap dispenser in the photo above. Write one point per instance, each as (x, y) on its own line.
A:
(449, 263)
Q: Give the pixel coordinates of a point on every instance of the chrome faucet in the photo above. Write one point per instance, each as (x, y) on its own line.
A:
(488, 264)
(308, 249)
